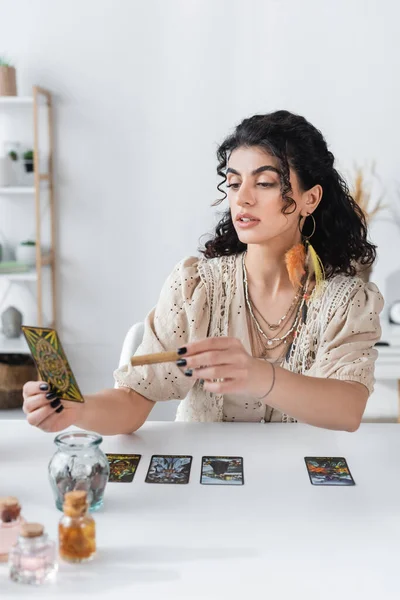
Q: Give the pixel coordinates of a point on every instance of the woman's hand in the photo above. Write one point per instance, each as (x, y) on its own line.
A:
(225, 358)
(47, 412)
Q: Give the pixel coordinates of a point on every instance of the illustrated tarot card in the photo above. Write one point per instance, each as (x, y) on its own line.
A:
(123, 467)
(222, 470)
(328, 471)
(52, 363)
(169, 469)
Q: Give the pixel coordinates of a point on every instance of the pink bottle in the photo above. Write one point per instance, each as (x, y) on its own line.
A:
(10, 524)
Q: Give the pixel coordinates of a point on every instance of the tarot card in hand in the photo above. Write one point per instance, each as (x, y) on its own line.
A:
(52, 363)
(328, 471)
(123, 466)
(225, 470)
(169, 469)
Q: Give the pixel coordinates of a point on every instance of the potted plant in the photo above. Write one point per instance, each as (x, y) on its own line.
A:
(8, 81)
(26, 253)
(28, 161)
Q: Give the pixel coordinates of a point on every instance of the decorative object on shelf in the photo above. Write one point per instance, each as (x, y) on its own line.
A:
(361, 191)
(8, 79)
(25, 253)
(15, 371)
(28, 161)
(11, 321)
(26, 166)
(394, 313)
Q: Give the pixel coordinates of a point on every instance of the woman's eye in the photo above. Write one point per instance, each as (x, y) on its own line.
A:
(235, 186)
(264, 184)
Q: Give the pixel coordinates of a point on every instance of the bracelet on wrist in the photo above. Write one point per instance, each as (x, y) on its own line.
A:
(272, 383)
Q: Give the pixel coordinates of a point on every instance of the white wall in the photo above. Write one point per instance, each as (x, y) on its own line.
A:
(146, 90)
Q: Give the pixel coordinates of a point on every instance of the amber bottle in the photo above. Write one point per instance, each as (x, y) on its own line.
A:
(76, 530)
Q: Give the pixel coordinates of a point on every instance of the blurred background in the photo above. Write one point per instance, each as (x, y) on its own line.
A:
(142, 93)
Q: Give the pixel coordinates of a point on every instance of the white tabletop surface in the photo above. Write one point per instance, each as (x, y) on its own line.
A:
(276, 537)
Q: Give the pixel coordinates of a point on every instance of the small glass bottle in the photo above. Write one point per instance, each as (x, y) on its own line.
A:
(33, 559)
(10, 525)
(77, 530)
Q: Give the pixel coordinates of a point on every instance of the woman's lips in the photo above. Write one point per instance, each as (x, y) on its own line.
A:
(246, 222)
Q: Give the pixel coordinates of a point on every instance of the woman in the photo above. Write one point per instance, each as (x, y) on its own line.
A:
(263, 332)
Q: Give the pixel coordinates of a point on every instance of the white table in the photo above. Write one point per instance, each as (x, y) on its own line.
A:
(276, 537)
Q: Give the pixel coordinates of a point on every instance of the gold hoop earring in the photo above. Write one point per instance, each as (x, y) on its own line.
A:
(308, 237)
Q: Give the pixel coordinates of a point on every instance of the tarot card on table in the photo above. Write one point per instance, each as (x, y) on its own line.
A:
(224, 470)
(328, 471)
(169, 469)
(123, 466)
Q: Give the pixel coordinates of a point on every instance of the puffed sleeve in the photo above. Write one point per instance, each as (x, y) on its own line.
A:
(347, 348)
(182, 315)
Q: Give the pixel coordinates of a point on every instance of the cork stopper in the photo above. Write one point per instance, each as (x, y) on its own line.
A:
(31, 530)
(10, 509)
(75, 503)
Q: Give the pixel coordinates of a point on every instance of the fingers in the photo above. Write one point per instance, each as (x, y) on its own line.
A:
(45, 410)
(219, 372)
(209, 345)
(37, 417)
(216, 357)
(55, 415)
(36, 396)
(223, 364)
(35, 387)
(40, 403)
(222, 387)
(34, 402)
(53, 422)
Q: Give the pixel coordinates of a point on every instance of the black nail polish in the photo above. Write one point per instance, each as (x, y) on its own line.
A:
(55, 403)
(188, 372)
(181, 362)
(51, 396)
(59, 409)
(44, 387)
(182, 350)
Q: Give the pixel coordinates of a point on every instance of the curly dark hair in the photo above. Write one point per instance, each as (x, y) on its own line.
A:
(340, 237)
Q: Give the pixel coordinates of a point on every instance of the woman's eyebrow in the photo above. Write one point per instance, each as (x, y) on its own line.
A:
(266, 168)
(256, 171)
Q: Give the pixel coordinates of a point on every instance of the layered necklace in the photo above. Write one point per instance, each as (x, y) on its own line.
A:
(298, 308)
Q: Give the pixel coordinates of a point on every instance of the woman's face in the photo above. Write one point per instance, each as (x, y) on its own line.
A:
(255, 199)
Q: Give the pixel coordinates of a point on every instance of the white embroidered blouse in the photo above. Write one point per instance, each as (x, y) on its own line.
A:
(204, 297)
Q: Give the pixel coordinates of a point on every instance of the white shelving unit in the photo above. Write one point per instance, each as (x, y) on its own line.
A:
(16, 100)
(30, 275)
(13, 346)
(17, 191)
(41, 100)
